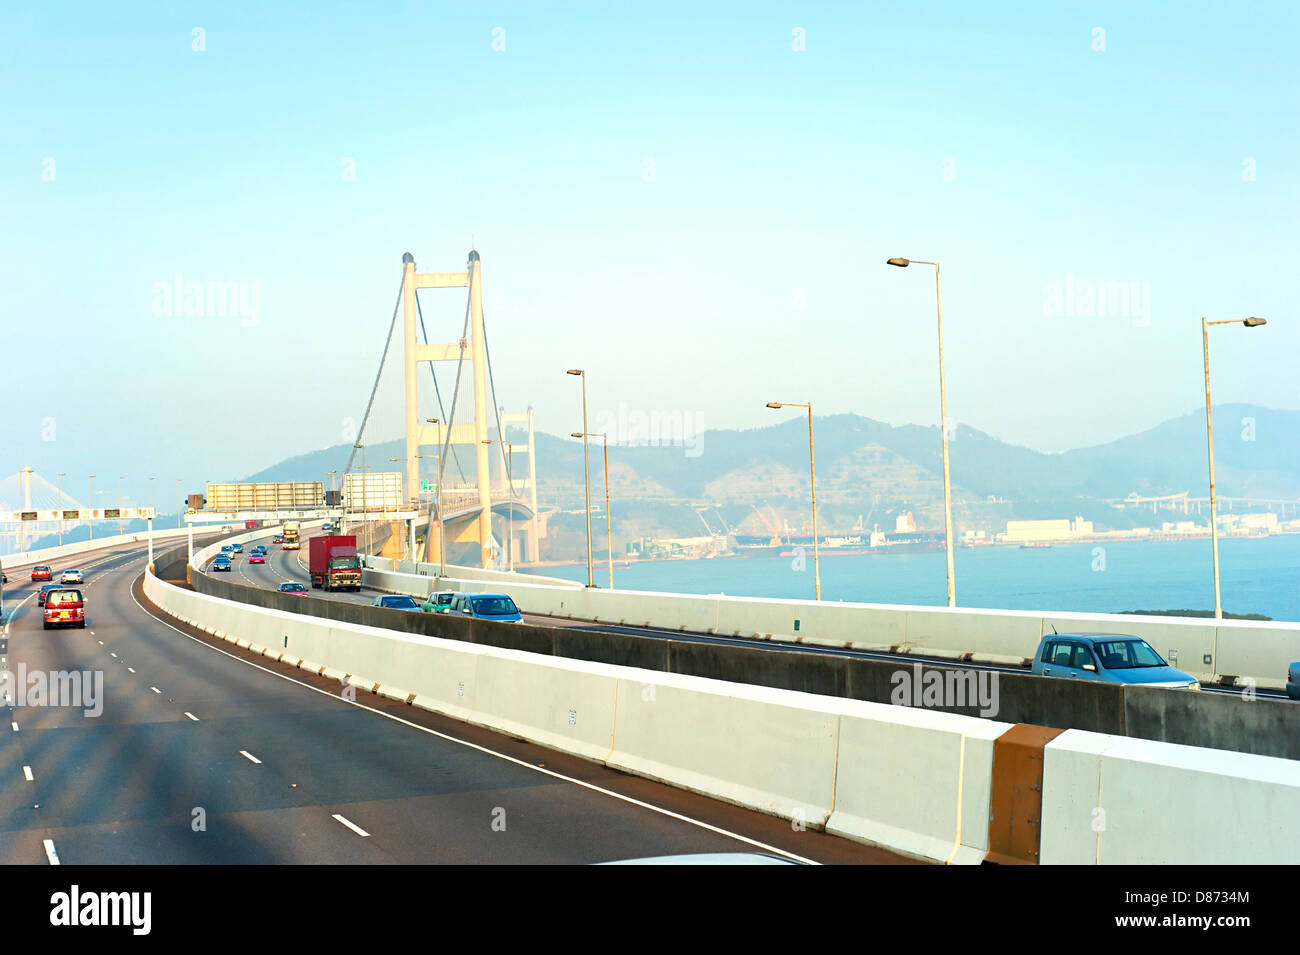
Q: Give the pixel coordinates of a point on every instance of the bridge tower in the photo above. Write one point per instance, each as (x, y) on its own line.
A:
(418, 432)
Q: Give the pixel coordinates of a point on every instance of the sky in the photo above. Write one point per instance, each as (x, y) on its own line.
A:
(694, 205)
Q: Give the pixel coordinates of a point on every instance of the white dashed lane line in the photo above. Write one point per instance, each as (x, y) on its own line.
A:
(155, 689)
(15, 726)
(27, 774)
(351, 825)
(130, 669)
(249, 756)
(191, 716)
(50, 854)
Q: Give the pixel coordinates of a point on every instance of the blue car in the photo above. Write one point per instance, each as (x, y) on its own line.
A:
(1293, 681)
(396, 602)
(485, 607)
(1107, 658)
(222, 562)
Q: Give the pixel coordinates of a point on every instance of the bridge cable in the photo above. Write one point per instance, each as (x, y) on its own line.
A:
(496, 408)
(437, 392)
(455, 393)
(383, 358)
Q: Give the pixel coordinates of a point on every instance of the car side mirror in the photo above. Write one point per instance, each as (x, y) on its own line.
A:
(1089, 666)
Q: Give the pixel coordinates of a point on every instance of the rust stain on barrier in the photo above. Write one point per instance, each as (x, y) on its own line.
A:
(1016, 807)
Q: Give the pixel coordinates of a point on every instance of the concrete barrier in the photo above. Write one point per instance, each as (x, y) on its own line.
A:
(771, 750)
(1257, 652)
(917, 780)
(1116, 801)
(914, 780)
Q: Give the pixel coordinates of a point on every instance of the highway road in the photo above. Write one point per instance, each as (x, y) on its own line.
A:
(292, 565)
(205, 755)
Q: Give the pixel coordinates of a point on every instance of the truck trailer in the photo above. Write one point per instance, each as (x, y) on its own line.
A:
(333, 562)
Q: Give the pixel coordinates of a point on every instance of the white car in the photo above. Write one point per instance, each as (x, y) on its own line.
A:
(71, 577)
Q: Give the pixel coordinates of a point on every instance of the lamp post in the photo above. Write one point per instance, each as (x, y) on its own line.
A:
(411, 523)
(62, 475)
(180, 511)
(609, 538)
(120, 479)
(90, 503)
(943, 428)
(1209, 440)
(442, 537)
(510, 514)
(365, 495)
(812, 475)
(586, 471)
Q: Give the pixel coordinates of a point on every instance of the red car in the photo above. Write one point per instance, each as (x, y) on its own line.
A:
(42, 572)
(278, 539)
(257, 557)
(64, 606)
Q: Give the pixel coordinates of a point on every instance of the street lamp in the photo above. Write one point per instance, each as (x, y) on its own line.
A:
(411, 524)
(812, 475)
(586, 471)
(365, 495)
(943, 427)
(62, 475)
(609, 539)
(442, 540)
(1209, 440)
(179, 509)
(90, 503)
(120, 479)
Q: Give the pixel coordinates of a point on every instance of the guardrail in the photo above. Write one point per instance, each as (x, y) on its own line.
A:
(1236, 652)
(934, 785)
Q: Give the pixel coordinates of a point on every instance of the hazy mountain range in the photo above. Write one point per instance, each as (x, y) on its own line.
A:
(870, 470)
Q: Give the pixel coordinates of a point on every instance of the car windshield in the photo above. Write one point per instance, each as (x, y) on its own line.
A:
(292, 587)
(346, 563)
(64, 596)
(400, 603)
(443, 599)
(1127, 654)
(494, 606)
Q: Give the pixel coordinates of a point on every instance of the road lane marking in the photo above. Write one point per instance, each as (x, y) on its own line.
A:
(191, 716)
(591, 787)
(50, 853)
(27, 774)
(112, 654)
(245, 753)
(130, 669)
(155, 689)
(351, 825)
(15, 726)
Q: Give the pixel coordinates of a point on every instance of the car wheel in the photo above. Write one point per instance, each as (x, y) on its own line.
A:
(82, 625)
(45, 625)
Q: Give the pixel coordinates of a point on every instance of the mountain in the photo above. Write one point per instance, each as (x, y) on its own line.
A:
(868, 472)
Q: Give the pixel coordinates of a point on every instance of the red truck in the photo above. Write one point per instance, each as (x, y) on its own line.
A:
(333, 562)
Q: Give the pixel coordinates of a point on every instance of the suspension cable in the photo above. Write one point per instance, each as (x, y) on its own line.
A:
(437, 392)
(383, 358)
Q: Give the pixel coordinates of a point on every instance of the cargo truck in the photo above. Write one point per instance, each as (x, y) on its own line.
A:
(333, 562)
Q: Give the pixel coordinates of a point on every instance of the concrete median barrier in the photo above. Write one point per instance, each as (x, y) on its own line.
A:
(1117, 801)
(771, 750)
(910, 779)
(916, 780)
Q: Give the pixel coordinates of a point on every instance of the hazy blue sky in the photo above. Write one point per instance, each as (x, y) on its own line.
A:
(307, 146)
